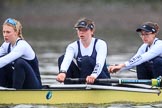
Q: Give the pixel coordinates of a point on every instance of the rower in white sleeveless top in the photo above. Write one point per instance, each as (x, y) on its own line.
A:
(90, 54)
(19, 66)
(148, 58)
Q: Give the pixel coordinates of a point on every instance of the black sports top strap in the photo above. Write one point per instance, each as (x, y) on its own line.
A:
(149, 46)
(9, 49)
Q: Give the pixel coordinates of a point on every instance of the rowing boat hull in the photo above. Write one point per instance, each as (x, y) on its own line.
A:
(76, 97)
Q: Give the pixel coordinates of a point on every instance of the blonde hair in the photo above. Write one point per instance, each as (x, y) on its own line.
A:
(16, 26)
(153, 25)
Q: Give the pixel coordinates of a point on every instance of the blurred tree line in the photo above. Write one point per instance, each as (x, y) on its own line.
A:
(5, 4)
(46, 17)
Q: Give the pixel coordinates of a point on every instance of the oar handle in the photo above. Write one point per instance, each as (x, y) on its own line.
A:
(107, 80)
(83, 80)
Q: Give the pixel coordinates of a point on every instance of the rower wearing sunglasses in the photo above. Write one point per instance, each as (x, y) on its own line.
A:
(148, 59)
(89, 53)
(18, 62)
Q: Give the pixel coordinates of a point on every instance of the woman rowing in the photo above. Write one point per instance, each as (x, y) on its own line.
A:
(90, 54)
(18, 62)
(148, 59)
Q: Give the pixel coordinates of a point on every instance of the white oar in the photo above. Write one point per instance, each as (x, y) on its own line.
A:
(133, 70)
(4, 88)
(157, 91)
(68, 86)
(101, 87)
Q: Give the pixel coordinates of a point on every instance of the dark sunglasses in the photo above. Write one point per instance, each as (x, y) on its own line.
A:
(10, 21)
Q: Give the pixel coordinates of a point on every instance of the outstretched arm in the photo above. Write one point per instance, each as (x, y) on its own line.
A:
(115, 68)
